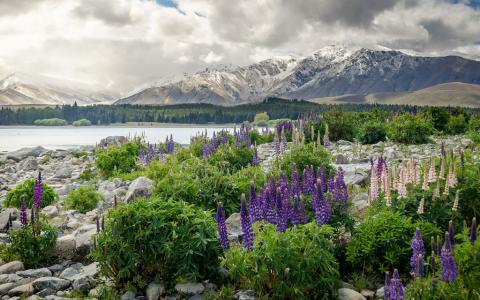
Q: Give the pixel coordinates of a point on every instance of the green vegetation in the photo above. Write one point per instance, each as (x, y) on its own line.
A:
(174, 241)
(113, 160)
(32, 244)
(82, 122)
(409, 129)
(51, 122)
(297, 264)
(25, 189)
(83, 199)
(373, 132)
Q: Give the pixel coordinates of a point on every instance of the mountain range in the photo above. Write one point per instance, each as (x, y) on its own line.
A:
(331, 74)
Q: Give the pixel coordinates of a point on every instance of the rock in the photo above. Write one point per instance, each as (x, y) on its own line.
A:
(347, 285)
(59, 267)
(35, 273)
(140, 187)
(65, 247)
(51, 211)
(83, 239)
(69, 273)
(29, 164)
(64, 172)
(113, 140)
(46, 292)
(129, 295)
(380, 292)
(84, 283)
(94, 293)
(22, 290)
(6, 278)
(23, 153)
(189, 288)
(91, 270)
(234, 226)
(367, 293)
(154, 291)
(4, 217)
(344, 143)
(341, 159)
(11, 267)
(349, 294)
(4, 288)
(245, 295)
(34, 297)
(54, 283)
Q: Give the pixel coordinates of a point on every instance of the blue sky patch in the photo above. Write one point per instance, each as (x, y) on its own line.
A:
(472, 3)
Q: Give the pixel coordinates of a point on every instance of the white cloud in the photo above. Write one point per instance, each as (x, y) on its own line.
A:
(120, 44)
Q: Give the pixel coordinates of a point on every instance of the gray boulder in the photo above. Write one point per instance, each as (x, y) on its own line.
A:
(84, 283)
(65, 247)
(54, 283)
(23, 153)
(349, 294)
(234, 226)
(29, 164)
(11, 267)
(7, 278)
(245, 295)
(129, 295)
(113, 140)
(155, 291)
(64, 172)
(35, 273)
(140, 187)
(189, 288)
(21, 290)
(51, 211)
(4, 216)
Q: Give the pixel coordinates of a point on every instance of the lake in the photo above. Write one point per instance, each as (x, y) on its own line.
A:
(66, 137)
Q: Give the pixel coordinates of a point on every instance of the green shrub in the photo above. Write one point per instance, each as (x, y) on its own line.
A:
(157, 240)
(373, 132)
(474, 124)
(456, 125)
(115, 160)
(437, 116)
(382, 242)
(409, 129)
(13, 198)
(261, 117)
(341, 125)
(469, 187)
(258, 138)
(434, 289)
(83, 199)
(305, 155)
(231, 157)
(51, 122)
(297, 264)
(82, 122)
(34, 250)
(467, 258)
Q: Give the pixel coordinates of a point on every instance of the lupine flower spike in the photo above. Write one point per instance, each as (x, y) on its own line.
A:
(23, 213)
(455, 202)
(449, 273)
(473, 230)
(421, 207)
(418, 250)
(396, 287)
(222, 227)
(246, 225)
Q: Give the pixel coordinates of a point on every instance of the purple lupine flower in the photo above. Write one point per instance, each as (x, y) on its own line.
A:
(160, 154)
(222, 227)
(255, 213)
(246, 225)
(449, 272)
(23, 213)
(451, 232)
(341, 191)
(276, 145)
(281, 214)
(282, 182)
(380, 167)
(418, 250)
(284, 142)
(473, 230)
(331, 183)
(270, 215)
(396, 287)
(38, 192)
(206, 150)
(262, 203)
(295, 216)
(308, 180)
(214, 142)
(295, 183)
(301, 211)
(386, 287)
(287, 206)
(326, 139)
(320, 206)
(153, 154)
(321, 176)
(255, 160)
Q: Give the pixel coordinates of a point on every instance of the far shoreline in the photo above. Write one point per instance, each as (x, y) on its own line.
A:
(132, 124)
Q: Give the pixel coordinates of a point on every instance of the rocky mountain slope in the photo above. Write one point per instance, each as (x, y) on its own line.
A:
(331, 71)
(23, 89)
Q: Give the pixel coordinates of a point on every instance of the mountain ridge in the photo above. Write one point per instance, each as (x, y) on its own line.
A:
(329, 72)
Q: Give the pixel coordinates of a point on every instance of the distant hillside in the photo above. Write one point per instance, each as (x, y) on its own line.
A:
(445, 94)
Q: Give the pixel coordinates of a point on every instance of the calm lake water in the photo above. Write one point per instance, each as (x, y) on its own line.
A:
(66, 137)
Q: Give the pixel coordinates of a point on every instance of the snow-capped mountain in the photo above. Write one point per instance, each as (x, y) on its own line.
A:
(331, 71)
(23, 89)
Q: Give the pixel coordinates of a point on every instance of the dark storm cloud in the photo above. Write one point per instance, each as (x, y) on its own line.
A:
(106, 12)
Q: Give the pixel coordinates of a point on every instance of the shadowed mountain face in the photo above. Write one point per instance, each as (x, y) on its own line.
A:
(329, 72)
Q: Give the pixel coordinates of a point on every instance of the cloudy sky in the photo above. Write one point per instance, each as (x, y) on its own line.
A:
(121, 44)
